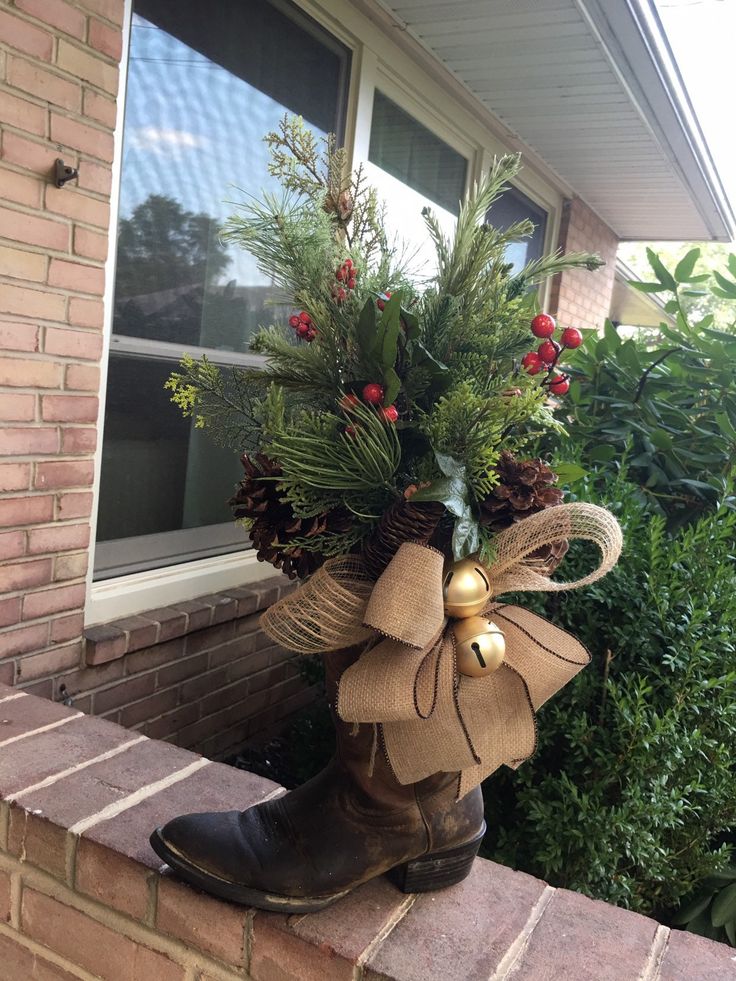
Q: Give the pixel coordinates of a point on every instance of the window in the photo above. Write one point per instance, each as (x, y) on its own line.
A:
(515, 206)
(205, 82)
(413, 168)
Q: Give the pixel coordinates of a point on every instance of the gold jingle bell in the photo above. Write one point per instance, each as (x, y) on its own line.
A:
(466, 588)
(480, 646)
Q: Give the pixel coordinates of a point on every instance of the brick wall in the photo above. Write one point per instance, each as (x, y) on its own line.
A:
(580, 298)
(58, 82)
(82, 895)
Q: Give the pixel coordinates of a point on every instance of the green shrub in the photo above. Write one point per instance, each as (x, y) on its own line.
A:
(633, 786)
(672, 402)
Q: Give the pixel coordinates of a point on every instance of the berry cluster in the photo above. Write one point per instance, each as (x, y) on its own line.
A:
(346, 276)
(548, 353)
(302, 324)
(373, 394)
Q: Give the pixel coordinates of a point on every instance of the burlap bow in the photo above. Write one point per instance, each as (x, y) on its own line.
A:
(429, 717)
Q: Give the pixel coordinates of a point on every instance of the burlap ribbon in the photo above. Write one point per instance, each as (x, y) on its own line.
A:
(429, 717)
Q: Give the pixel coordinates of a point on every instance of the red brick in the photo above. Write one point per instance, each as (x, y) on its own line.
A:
(46, 85)
(87, 943)
(199, 614)
(10, 611)
(104, 643)
(21, 963)
(14, 476)
(78, 441)
(83, 377)
(149, 708)
(58, 538)
(77, 204)
(23, 265)
(26, 639)
(57, 13)
(112, 879)
(31, 229)
(22, 114)
(70, 566)
(22, 373)
(69, 408)
(170, 723)
(38, 841)
(53, 601)
(61, 473)
(5, 896)
(152, 657)
(203, 922)
(688, 956)
(18, 337)
(49, 662)
(600, 941)
(101, 108)
(109, 9)
(67, 628)
(185, 667)
(19, 300)
(86, 678)
(12, 544)
(26, 511)
(37, 157)
(75, 276)
(93, 245)
(73, 343)
(85, 313)
(105, 39)
(20, 188)
(25, 575)
(17, 408)
(20, 34)
(87, 139)
(95, 177)
(124, 692)
(75, 505)
(204, 640)
(86, 65)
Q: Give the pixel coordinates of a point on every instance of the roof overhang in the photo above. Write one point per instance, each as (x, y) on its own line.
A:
(632, 308)
(592, 88)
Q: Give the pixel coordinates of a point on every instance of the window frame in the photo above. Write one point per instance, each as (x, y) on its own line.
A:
(377, 60)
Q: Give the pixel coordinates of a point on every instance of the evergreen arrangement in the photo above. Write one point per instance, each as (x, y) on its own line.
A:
(385, 409)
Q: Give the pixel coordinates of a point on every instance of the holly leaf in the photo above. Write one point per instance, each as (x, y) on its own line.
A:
(411, 324)
(366, 331)
(391, 384)
(465, 536)
(570, 473)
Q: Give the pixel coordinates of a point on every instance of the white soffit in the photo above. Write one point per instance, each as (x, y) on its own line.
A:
(591, 87)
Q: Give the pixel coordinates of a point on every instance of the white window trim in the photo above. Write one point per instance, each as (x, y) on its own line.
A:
(375, 58)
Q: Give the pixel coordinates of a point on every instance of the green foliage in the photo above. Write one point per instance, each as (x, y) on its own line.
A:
(711, 909)
(632, 789)
(673, 405)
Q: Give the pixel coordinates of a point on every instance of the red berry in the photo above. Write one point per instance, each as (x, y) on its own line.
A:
(381, 301)
(548, 351)
(305, 318)
(532, 363)
(311, 334)
(303, 329)
(348, 402)
(543, 325)
(340, 274)
(351, 431)
(571, 337)
(390, 413)
(294, 321)
(559, 385)
(351, 283)
(373, 393)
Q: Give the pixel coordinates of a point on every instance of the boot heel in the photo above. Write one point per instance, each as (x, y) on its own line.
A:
(439, 869)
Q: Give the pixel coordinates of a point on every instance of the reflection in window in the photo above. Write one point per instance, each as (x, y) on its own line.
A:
(515, 206)
(412, 169)
(204, 85)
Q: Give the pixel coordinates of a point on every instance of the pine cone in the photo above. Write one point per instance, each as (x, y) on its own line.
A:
(525, 487)
(402, 522)
(273, 522)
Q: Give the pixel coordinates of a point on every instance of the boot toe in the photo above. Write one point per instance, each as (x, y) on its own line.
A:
(204, 841)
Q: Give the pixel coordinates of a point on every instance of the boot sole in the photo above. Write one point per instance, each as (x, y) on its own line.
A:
(424, 874)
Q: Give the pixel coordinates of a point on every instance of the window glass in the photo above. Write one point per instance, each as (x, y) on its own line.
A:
(515, 206)
(412, 169)
(205, 83)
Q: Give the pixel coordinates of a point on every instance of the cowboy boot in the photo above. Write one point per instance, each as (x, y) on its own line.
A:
(299, 852)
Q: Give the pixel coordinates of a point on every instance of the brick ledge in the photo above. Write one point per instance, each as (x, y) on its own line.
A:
(109, 641)
(82, 894)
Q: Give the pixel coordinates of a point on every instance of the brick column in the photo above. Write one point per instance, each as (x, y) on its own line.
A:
(58, 83)
(580, 298)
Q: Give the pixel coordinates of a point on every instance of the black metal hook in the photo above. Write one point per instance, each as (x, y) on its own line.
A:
(63, 173)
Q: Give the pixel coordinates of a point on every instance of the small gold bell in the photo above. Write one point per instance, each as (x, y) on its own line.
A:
(480, 646)
(466, 588)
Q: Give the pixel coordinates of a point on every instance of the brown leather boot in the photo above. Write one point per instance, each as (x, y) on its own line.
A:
(302, 851)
